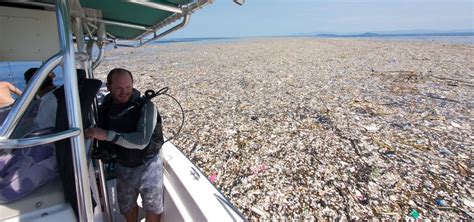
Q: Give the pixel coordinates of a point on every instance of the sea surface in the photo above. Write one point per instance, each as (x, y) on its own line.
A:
(13, 72)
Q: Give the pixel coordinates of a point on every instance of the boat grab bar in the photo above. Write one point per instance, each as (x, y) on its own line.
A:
(20, 106)
(8, 144)
(181, 25)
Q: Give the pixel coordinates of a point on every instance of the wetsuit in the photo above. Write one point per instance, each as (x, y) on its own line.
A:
(131, 136)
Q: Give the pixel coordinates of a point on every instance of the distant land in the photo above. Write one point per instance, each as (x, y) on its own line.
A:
(396, 32)
(374, 34)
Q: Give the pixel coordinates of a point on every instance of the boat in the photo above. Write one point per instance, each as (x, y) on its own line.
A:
(73, 35)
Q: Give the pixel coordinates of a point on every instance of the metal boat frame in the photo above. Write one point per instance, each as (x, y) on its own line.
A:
(68, 25)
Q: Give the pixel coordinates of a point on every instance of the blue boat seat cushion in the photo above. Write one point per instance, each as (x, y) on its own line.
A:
(22, 171)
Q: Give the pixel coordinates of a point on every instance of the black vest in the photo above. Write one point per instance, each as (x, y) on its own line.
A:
(109, 120)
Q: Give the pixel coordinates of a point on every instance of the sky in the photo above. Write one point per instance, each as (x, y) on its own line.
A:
(224, 18)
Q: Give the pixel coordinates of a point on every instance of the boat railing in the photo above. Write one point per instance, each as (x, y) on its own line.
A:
(183, 12)
(181, 25)
(20, 106)
(65, 58)
(38, 140)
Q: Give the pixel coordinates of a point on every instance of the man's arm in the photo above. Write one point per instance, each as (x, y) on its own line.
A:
(142, 136)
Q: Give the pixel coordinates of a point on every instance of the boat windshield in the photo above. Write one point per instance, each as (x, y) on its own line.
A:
(13, 72)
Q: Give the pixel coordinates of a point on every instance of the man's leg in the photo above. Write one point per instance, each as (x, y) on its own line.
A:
(132, 215)
(151, 189)
(126, 193)
(151, 217)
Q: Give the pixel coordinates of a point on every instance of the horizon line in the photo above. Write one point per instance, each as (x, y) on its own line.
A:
(335, 34)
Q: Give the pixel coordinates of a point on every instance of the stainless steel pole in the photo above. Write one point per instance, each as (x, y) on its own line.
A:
(103, 186)
(74, 112)
(80, 43)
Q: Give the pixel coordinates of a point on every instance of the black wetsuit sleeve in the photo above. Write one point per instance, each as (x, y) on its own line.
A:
(142, 136)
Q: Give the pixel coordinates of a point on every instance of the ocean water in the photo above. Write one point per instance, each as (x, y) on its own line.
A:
(13, 72)
(195, 40)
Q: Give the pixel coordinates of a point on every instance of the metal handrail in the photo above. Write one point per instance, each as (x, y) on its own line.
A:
(38, 140)
(122, 24)
(74, 112)
(101, 41)
(25, 99)
(105, 192)
(175, 28)
(66, 57)
(157, 5)
(187, 10)
(82, 47)
(186, 13)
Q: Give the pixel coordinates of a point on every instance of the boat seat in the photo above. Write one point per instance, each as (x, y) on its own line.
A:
(53, 193)
(50, 194)
(88, 89)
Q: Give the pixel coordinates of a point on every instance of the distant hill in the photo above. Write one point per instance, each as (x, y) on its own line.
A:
(373, 34)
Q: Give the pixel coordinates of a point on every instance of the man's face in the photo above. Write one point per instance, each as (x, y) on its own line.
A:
(52, 75)
(121, 87)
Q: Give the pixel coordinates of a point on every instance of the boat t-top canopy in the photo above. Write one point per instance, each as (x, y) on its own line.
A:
(126, 23)
(139, 20)
(134, 19)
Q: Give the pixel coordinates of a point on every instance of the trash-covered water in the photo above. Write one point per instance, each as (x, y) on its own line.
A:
(306, 128)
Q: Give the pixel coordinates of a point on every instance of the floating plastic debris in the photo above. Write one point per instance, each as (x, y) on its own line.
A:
(441, 203)
(446, 151)
(468, 202)
(345, 127)
(415, 214)
(259, 212)
(372, 128)
(213, 177)
(455, 124)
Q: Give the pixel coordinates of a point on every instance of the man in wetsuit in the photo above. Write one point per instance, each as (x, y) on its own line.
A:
(131, 135)
(6, 99)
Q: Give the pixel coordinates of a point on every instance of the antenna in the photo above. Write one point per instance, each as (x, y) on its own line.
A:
(12, 78)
